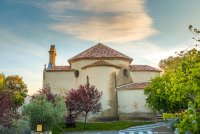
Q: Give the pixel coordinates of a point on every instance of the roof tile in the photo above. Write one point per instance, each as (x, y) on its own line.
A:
(143, 68)
(134, 85)
(100, 51)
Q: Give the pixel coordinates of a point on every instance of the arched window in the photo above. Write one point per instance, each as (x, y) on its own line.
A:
(125, 73)
(76, 73)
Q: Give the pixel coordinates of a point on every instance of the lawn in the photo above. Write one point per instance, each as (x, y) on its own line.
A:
(118, 125)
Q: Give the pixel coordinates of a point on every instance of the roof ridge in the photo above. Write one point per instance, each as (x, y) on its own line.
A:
(143, 68)
(134, 85)
(99, 51)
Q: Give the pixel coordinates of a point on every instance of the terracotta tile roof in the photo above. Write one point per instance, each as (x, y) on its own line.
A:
(143, 68)
(59, 69)
(100, 63)
(100, 51)
(137, 85)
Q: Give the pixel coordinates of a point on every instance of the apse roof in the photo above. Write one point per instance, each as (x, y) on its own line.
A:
(100, 51)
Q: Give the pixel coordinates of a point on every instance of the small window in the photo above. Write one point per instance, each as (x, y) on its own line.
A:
(125, 73)
(76, 73)
(88, 80)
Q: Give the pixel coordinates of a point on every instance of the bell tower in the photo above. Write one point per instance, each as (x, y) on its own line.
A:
(52, 56)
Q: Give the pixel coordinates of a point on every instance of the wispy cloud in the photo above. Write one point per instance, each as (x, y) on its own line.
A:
(149, 53)
(16, 43)
(109, 21)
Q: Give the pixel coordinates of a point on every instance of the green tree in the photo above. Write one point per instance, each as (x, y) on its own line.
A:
(2, 80)
(45, 108)
(178, 87)
(159, 97)
(12, 94)
(16, 86)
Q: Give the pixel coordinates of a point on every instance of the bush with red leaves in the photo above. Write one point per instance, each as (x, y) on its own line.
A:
(83, 100)
(7, 110)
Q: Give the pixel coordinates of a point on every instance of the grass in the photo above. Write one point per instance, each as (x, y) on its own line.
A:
(118, 125)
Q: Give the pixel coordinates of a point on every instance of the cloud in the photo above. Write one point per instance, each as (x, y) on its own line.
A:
(13, 42)
(149, 53)
(109, 21)
(142, 52)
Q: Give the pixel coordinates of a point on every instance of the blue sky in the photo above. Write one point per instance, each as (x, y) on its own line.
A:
(146, 30)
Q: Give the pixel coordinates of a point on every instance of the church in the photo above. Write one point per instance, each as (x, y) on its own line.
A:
(111, 72)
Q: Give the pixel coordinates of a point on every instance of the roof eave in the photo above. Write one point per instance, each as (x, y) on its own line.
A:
(97, 58)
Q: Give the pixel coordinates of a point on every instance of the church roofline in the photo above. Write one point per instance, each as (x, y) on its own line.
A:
(100, 63)
(100, 51)
(60, 69)
(134, 85)
(139, 68)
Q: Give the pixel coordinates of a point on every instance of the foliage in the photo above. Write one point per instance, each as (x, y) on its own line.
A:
(2, 81)
(47, 92)
(18, 87)
(159, 99)
(12, 94)
(20, 126)
(83, 100)
(14, 84)
(179, 84)
(178, 88)
(196, 33)
(7, 112)
(189, 120)
(45, 110)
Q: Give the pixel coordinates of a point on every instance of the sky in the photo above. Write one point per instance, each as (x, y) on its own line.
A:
(146, 30)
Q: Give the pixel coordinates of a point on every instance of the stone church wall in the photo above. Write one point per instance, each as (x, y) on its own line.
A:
(131, 105)
(60, 81)
(104, 80)
(143, 76)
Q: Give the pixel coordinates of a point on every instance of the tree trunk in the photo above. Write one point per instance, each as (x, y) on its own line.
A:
(86, 117)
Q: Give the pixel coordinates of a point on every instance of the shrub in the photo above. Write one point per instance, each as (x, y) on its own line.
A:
(43, 111)
(20, 126)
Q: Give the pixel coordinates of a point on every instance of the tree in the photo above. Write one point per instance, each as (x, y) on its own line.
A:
(178, 88)
(45, 108)
(178, 85)
(12, 94)
(15, 84)
(83, 100)
(7, 114)
(158, 98)
(196, 33)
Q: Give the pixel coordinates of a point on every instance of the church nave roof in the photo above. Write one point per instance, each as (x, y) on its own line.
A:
(143, 68)
(134, 85)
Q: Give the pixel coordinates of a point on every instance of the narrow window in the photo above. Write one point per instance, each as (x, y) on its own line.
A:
(76, 73)
(125, 73)
(87, 80)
